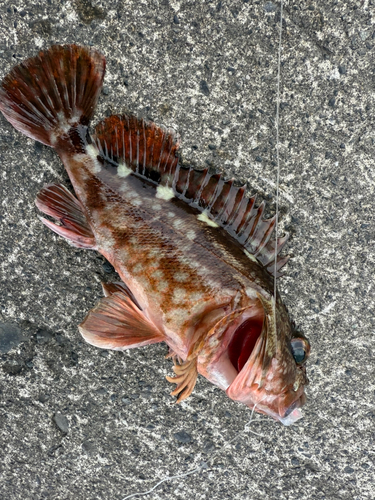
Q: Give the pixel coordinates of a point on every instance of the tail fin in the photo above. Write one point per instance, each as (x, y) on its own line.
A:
(44, 96)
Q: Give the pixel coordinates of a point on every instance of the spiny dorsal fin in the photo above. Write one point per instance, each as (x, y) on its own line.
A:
(151, 152)
(148, 150)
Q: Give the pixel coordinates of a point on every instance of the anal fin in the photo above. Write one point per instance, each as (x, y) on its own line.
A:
(117, 323)
(55, 200)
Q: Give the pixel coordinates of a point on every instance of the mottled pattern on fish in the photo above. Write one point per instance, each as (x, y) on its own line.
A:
(195, 255)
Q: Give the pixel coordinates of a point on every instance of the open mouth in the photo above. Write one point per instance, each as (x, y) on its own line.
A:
(243, 341)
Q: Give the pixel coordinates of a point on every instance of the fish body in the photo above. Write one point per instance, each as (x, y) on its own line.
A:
(194, 254)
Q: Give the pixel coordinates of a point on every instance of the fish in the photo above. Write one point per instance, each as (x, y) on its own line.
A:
(194, 253)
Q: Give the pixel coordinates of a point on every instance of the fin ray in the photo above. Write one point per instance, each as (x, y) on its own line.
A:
(186, 377)
(111, 288)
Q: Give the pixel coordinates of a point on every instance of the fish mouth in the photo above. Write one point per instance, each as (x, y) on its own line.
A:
(273, 396)
(244, 340)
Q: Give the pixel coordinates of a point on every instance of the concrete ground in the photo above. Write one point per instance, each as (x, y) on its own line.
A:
(80, 423)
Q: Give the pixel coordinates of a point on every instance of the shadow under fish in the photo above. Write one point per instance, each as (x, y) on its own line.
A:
(196, 257)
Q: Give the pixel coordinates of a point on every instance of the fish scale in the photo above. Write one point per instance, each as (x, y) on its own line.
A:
(194, 253)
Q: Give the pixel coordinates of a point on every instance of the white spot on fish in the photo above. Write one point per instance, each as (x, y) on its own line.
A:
(93, 153)
(156, 206)
(171, 214)
(191, 234)
(124, 253)
(158, 274)
(213, 342)
(123, 170)
(154, 252)
(164, 193)
(63, 124)
(74, 119)
(251, 293)
(80, 157)
(180, 277)
(178, 223)
(204, 218)
(249, 255)
(162, 285)
(107, 244)
(181, 314)
(195, 296)
(178, 295)
(138, 268)
(131, 196)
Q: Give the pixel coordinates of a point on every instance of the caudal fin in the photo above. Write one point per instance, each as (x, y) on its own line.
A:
(46, 95)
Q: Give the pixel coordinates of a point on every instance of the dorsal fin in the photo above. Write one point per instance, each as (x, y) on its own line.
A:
(148, 150)
(151, 152)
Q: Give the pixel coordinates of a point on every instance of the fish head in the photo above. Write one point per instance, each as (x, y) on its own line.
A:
(271, 357)
(256, 355)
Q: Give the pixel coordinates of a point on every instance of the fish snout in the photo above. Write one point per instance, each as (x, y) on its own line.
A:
(292, 413)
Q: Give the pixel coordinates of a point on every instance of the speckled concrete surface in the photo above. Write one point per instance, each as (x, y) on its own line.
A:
(80, 423)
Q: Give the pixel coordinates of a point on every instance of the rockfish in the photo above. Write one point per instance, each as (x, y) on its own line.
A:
(194, 254)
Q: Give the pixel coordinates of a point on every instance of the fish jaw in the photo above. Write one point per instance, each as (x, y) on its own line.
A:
(252, 361)
(277, 391)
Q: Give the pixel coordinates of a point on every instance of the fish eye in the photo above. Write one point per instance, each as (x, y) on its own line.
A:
(300, 350)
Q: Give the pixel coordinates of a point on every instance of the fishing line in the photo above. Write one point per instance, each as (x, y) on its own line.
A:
(204, 465)
(277, 156)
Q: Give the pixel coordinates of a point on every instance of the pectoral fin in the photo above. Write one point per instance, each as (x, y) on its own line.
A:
(55, 200)
(117, 323)
(186, 377)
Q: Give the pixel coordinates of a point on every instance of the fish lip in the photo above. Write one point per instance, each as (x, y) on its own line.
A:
(292, 414)
(292, 418)
(294, 406)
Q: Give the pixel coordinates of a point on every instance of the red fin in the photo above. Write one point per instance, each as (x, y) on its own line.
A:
(111, 288)
(186, 377)
(117, 323)
(55, 200)
(44, 96)
(147, 149)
